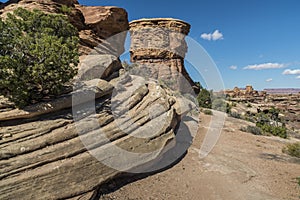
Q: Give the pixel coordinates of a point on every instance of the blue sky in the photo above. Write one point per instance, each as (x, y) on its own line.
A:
(251, 41)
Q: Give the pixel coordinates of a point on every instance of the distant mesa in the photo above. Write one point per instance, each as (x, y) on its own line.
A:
(248, 94)
(282, 90)
(248, 91)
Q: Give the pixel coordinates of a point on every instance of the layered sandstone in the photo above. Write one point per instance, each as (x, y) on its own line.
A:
(47, 154)
(105, 29)
(247, 93)
(68, 147)
(159, 46)
(100, 28)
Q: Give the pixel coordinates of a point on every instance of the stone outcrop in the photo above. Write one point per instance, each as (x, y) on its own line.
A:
(96, 25)
(102, 23)
(247, 93)
(158, 46)
(49, 6)
(68, 147)
(48, 158)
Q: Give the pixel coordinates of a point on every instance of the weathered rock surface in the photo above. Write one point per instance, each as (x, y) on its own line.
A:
(47, 157)
(103, 23)
(159, 45)
(100, 88)
(49, 6)
(99, 66)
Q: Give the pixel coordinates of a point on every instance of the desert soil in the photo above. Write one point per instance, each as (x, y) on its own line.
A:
(241, 166)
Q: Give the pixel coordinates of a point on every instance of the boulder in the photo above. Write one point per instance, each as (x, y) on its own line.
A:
(98, 66)
(59, 155)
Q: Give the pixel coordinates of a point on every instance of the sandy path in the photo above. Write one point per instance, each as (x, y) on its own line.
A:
(241, 166)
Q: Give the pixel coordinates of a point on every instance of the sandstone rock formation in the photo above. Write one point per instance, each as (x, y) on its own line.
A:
(159, 46)
(101, 24)
(246, 94)
(96, 25)
(68, 147)
(47, 157)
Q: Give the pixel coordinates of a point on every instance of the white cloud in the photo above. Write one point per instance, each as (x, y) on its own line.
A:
(298, 77)
(291, 72)
(216, 35)
(265, 66)
(269, 80)
(233, 67)
(206, 36)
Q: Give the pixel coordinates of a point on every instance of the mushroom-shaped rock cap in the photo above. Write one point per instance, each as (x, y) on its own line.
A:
(169, 23)
(158, 38)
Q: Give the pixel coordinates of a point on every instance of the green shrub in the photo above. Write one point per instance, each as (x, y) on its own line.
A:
(65, 9)
(208, 112)
(38, 55)
(280, 131)
(204, 98)
(249, 119)
(235, 115)
(252, 129)
(274, 114)
(264, 122)
(220, 105)
(292, 149)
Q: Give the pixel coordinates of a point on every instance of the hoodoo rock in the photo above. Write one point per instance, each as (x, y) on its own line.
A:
(158, 44)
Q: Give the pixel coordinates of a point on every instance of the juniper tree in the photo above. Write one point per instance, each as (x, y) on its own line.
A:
(38, 55)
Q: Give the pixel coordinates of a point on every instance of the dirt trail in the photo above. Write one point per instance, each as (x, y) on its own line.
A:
(242, 166)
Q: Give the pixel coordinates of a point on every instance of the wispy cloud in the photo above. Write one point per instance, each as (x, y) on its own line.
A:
(269, 80)
(233, 67)
(291, 72)
(298, 77)
(216, 35)
(265, 66)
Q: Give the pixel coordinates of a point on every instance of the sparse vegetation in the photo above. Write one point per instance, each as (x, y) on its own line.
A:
(204, 98)
(298, 179)
(235, 115)
(38, 55)
(292, 150)
(252, 129)
(65, 9)
(280, 131)
(208, 112)
(220, 105)
(269, 122)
